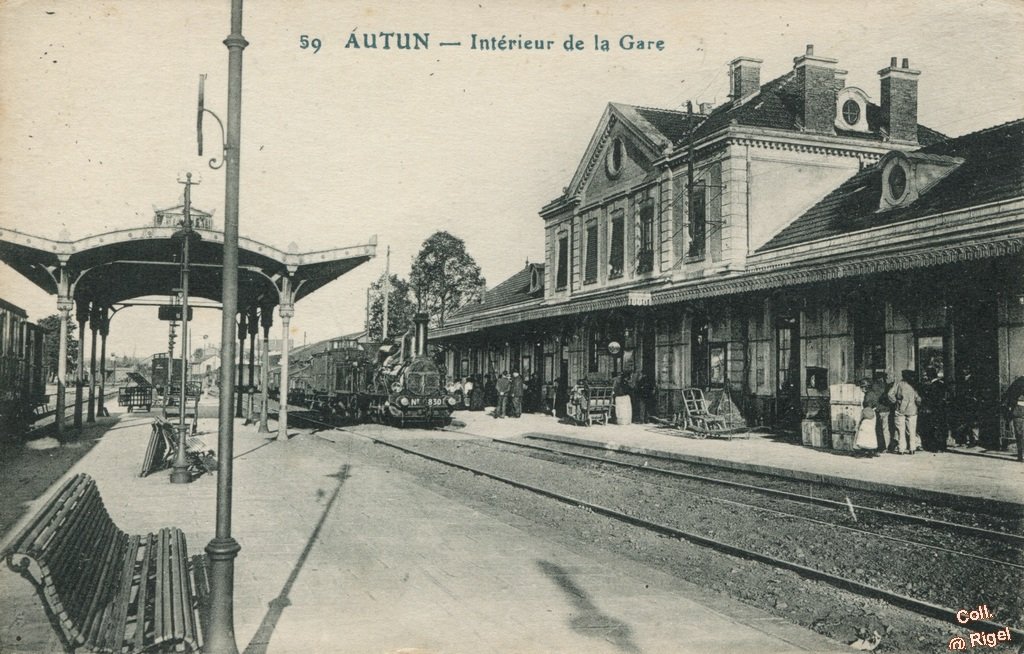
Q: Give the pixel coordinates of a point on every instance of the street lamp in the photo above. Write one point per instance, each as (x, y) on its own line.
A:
(223, 549)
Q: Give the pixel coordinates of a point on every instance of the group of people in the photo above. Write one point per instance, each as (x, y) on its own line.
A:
(509, 393)
(904, 417)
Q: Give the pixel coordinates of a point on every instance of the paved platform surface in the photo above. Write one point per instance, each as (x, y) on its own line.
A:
(340, 555)
(983, 476)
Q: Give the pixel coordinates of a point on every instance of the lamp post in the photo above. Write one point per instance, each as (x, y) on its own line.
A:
(223, 549)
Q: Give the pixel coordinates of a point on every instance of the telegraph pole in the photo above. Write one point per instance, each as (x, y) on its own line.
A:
(180, 474)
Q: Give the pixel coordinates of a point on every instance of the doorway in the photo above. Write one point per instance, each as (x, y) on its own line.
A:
(787, 366)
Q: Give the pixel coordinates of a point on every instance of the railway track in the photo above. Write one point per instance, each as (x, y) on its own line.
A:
(815, 572)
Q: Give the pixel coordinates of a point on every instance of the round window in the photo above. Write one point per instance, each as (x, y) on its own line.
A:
(613, 162)
(897, 182)
(851, 112)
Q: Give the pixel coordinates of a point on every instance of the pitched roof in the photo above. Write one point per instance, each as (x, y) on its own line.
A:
(992, 170)
(778, 105)
(513, 290)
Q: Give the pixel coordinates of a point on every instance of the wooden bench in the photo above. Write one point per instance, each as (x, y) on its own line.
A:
(163, 447)
(102, 589)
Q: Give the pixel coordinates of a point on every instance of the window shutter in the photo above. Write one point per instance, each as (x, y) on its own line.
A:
(590, 274)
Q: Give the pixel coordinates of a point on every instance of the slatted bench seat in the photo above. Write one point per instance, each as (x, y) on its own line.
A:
(163, 447)
(102, 589)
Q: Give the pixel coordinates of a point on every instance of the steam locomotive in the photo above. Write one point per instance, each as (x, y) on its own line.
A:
(397, 384)
(23, 372)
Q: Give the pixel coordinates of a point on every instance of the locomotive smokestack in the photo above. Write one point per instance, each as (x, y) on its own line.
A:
(420, 320)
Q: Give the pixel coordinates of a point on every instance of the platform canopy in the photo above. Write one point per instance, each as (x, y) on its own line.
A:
(117, 266)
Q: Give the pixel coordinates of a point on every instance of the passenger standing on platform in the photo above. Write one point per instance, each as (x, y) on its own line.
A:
(476, 396)
(933, 411)
(561, 397)
(875, 399)
(905, 400)
(467, 390)
(1015, 414)
(648, 393)
(490, 394)
(502, 387)
(968, 426)
(623, 406)
(516, 394)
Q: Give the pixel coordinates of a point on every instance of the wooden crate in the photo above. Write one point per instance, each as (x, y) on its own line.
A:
(815, 433)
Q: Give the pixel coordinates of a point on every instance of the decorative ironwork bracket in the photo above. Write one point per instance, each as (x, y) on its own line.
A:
(199, 127)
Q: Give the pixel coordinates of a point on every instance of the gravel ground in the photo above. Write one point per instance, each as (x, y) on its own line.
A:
(936, 535)
(835, 613)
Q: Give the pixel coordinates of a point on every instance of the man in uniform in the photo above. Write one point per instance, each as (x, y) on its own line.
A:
(502, 387)
(1015, 413)
(516, 394)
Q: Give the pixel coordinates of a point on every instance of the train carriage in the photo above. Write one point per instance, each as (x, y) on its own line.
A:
(23, 371)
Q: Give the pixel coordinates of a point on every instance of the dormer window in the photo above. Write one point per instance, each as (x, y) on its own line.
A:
(897, 182)
(908, 175)
(851, 110)
(536, 279)
(613, 160)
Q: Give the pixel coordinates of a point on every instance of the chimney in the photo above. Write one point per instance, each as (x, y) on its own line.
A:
(816, 83)
(746, 77)
(706, 107)
(420, 346)
(899, 101)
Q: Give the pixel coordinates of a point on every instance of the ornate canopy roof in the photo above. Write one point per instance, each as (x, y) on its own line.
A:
(129, 263)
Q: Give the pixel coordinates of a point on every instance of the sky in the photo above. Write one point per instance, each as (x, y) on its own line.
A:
(98, 102)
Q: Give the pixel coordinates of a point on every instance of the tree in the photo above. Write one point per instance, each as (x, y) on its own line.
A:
(400, 308)
(444, 277)
(52, 345)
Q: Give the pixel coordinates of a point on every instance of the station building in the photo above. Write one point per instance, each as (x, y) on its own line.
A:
(799, 235)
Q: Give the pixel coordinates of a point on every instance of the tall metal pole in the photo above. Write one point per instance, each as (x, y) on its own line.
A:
(287, 310)
(94, 325)
(266, 320)
(254, 329)
(387, 295)
(223, 549)
(104, 331)
(180, 474)
(82, 315)
(241, 362)
(64, 305)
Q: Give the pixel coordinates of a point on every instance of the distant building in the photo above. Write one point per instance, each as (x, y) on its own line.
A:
(175, 217)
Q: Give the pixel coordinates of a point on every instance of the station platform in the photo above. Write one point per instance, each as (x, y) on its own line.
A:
(966, 477)
(340, 554)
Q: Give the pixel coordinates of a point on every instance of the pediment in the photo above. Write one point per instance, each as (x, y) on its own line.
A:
(620, 154)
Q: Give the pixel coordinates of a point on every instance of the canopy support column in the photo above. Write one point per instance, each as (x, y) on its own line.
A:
(104, 330)
(64, 306)
(82, 315)
(266, 321)
(287, 310)
(254, 328)
(242, 329)
(94, 325)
